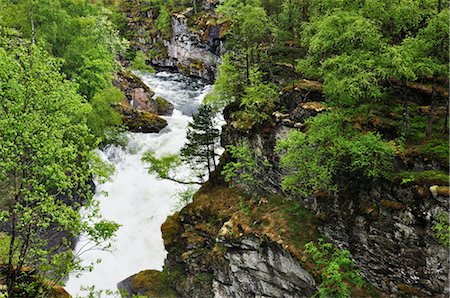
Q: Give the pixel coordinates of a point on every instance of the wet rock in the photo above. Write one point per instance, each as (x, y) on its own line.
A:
(163, 106)
(194, 51)
(140, 121)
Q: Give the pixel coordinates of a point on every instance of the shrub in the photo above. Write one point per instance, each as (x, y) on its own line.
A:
(331, 145)
(139, 63)
(442, 230)
(336, 268)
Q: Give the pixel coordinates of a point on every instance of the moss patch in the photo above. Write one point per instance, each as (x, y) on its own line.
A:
(151, 283)
(140, 121)
(428, 178)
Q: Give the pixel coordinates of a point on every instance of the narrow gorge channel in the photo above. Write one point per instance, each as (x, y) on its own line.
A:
(136, 200)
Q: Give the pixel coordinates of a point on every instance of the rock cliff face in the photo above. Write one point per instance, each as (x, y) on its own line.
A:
(224, 244)
(217, 249)
(253, 269)
(193, 46)
(386, 225)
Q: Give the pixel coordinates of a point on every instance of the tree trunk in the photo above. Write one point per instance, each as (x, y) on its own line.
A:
(10, 273)
(406, 116)
(33, 26)
(431, 113)
(247, 66)
(446, 128)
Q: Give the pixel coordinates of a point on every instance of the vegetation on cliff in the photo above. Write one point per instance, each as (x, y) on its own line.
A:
(56, 68)
(361, 89)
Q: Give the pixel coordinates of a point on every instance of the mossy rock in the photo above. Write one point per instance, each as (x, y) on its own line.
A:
(149, 283)
(130, 80)
(171, 230)
(140, 121)
(164, 107)
(392, 204)
(428, 178)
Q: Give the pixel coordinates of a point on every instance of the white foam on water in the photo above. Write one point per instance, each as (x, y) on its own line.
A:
(136, 200)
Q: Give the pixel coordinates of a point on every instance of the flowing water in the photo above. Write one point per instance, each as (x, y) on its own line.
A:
(137, 200)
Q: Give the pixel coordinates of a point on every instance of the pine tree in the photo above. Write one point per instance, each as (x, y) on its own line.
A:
(202, 138)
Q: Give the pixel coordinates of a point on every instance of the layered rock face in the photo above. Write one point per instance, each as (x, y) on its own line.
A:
(196, 54)
(220, 247)
(193, 46)
(251, 269)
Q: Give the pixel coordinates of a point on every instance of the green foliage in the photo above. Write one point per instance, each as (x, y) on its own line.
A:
(139, 63)
(45, 165)
(429, 177)
(78, 31)
(199, 151)
(329, 147)
(162, 166)
(163, 22)
(442, 230)
(227, 86)
(246, 169)
(202, 141)
(259, 98)
(336, 267)
(244, 166)
(103, 120)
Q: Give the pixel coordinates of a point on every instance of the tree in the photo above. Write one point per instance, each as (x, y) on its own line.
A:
(259, 98)
(331, 147)
(45, 168)
(293, 15)
(429, 54)
(227, 86)
(202, 139)
(250, 28)
(200, 150)
(164, 21)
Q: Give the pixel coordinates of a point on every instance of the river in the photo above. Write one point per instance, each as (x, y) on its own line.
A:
(136, 200)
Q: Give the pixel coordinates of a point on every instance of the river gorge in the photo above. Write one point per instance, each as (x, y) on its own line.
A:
(136, 200)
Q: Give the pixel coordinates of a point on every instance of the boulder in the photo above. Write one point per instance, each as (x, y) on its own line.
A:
(140, 121)
(149, 283)
(164, 107)
(140, 96)
(140, 100)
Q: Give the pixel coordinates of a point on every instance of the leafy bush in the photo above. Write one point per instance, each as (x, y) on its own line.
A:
(247, 170)
(336, 268)
(331, 144)
(139, 63)
(442, 230)
(259, 97)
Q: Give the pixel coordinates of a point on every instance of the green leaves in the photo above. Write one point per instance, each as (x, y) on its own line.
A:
(336, 268)
(161, 166)
(259, 97)
(45, 165)
(202, 141)
(227, 86)
(163, 22)
(442, 230)
(331, 146)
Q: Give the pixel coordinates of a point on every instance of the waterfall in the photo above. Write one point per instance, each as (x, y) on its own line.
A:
(136, 200)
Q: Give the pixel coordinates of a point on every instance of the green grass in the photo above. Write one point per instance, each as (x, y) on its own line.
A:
(430, 177)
